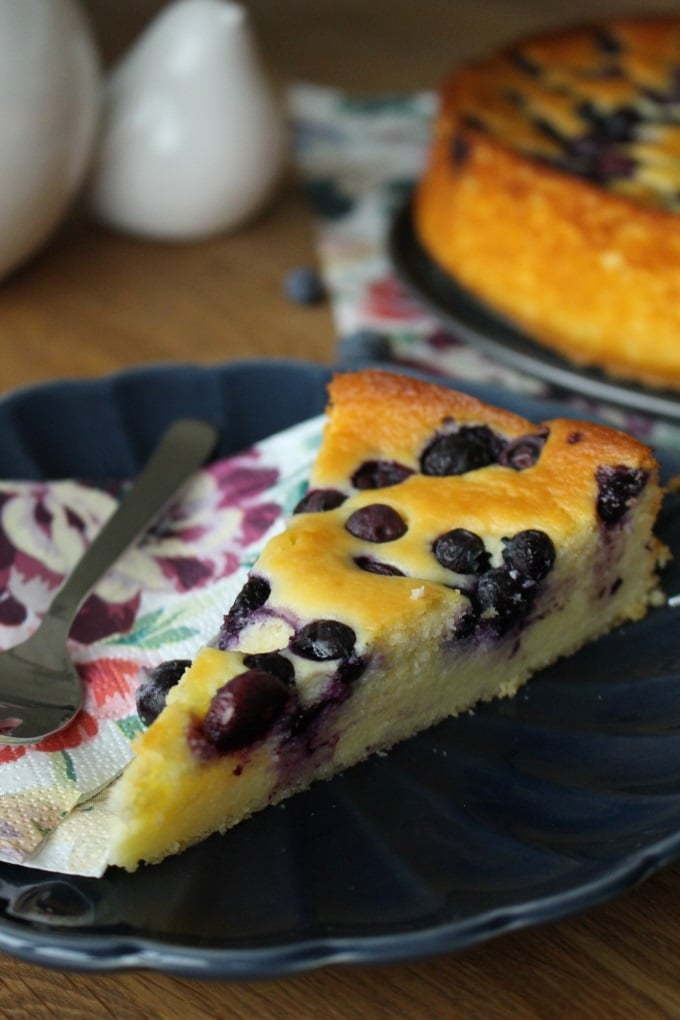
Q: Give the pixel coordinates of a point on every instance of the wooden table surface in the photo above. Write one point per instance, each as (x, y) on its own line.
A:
(93, 302)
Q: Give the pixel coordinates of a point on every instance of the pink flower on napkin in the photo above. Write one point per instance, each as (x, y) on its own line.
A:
(189, 548)
(44, 529)
(43, 532)
(98, 618)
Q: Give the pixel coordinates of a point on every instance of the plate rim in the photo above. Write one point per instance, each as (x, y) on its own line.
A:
(82, 952)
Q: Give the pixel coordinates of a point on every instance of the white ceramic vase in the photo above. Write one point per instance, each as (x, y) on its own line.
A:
(49, 107)
(192, 140)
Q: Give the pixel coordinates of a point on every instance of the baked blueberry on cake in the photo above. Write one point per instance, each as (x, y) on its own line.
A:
(553, 192)
(445, 550)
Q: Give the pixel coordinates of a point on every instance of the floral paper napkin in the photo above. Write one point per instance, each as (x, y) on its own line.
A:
(163, 599)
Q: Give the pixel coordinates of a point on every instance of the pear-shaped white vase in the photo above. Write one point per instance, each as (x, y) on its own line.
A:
(49, 108)
(192, 140)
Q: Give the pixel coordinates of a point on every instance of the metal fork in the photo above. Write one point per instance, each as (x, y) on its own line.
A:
(40, 689)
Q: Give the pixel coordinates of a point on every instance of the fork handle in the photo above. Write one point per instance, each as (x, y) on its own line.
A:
(182, 449)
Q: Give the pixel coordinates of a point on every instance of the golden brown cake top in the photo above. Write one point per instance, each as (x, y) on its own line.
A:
(600, 101)
(418, 492)
(381, 414)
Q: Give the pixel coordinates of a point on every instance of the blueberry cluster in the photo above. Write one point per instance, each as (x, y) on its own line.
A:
(455, 453)
(319, 640)
(505, 593)
(500, 596)
(602, 150)
(599, 153)
(472, 447)
(246, 708)
(449, 453)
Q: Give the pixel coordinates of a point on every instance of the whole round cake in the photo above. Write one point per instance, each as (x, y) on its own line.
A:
(553, 192)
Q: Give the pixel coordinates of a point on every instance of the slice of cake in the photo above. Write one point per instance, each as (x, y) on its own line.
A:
(553, 192)
(445, 551)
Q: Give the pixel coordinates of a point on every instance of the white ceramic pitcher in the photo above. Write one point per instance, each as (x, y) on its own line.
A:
(49, 105)
(192, 139)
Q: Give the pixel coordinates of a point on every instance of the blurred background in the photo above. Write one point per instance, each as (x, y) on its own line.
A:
(93, 300)
(335, 42)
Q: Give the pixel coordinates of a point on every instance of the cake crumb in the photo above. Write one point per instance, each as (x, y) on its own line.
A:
(417, 593)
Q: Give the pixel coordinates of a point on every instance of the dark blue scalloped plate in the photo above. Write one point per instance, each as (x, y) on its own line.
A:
(525, 812)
